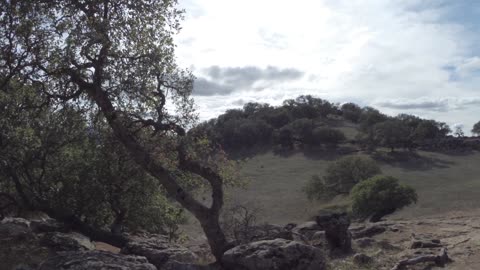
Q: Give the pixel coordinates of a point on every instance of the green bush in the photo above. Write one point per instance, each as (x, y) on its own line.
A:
(341, 176)
(379, 196)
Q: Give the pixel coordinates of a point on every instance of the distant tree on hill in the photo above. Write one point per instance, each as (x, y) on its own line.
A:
(409, 120)
(252, 109)
(429, 130)
(351, 112)
(370, 117)
(307, 106)
(459, 132)
(284, 138)
(341, 175)
(476, 129)
(380, 196)
(327, 136)
(301, 129)
(244, 133)
(277, 117)
(392, 134)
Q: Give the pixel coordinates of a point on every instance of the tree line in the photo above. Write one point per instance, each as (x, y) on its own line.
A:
(311, 121)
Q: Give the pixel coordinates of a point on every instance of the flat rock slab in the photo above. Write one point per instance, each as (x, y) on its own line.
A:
(72, 241)
(277, 254)
(95, 260)
(159, 251)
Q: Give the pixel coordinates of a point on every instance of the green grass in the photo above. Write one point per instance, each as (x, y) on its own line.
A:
(443, 182)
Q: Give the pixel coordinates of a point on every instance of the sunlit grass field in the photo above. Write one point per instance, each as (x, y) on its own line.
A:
(444, 182)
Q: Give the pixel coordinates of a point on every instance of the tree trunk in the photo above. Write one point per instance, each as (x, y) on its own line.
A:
(215, 236)
(208, 217)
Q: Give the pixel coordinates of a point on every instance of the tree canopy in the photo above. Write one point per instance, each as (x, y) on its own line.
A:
(115, 60)
(476, 128)
(340, 176)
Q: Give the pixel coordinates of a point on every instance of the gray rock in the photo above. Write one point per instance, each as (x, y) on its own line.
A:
(19, 247)
(47, 225)
(369, 231)
(14, 227)
(318, 239)
(362, 259)
(159, 251)
(365, 242)
(95, 260)
(58, 241)
(278, 254)
(425, 243)
(308, 229)
(262, 232)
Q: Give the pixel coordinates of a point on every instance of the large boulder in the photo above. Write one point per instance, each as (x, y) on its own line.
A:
(277, 254)
(159, 251)
(14, 227)
(95, 260)
(19, 246)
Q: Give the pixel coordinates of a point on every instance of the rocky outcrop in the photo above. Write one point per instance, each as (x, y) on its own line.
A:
(307, 229)
(19, 246)
(24, 244)
(159, 251)
(47, 225)
(72, 241)
(96, 260)
(14, 227)
(277, 254)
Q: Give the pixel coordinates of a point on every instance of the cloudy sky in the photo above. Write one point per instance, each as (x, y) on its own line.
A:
(414, 56)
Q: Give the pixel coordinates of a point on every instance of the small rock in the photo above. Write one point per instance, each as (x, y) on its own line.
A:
(425, 244)
(362, 259)
(318, 239)
(365, 242)
(369, 231)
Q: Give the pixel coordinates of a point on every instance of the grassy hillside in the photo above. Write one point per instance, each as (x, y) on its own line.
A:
(443, 183)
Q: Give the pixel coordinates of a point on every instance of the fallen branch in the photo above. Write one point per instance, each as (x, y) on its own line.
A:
(440, 260)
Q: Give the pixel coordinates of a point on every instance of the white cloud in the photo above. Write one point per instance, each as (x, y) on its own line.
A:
(366, 51)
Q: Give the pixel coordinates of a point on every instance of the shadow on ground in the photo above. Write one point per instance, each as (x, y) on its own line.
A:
(411, 160)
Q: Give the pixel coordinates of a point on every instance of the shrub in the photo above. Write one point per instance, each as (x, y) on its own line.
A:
(379, 196)
(341, 176)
